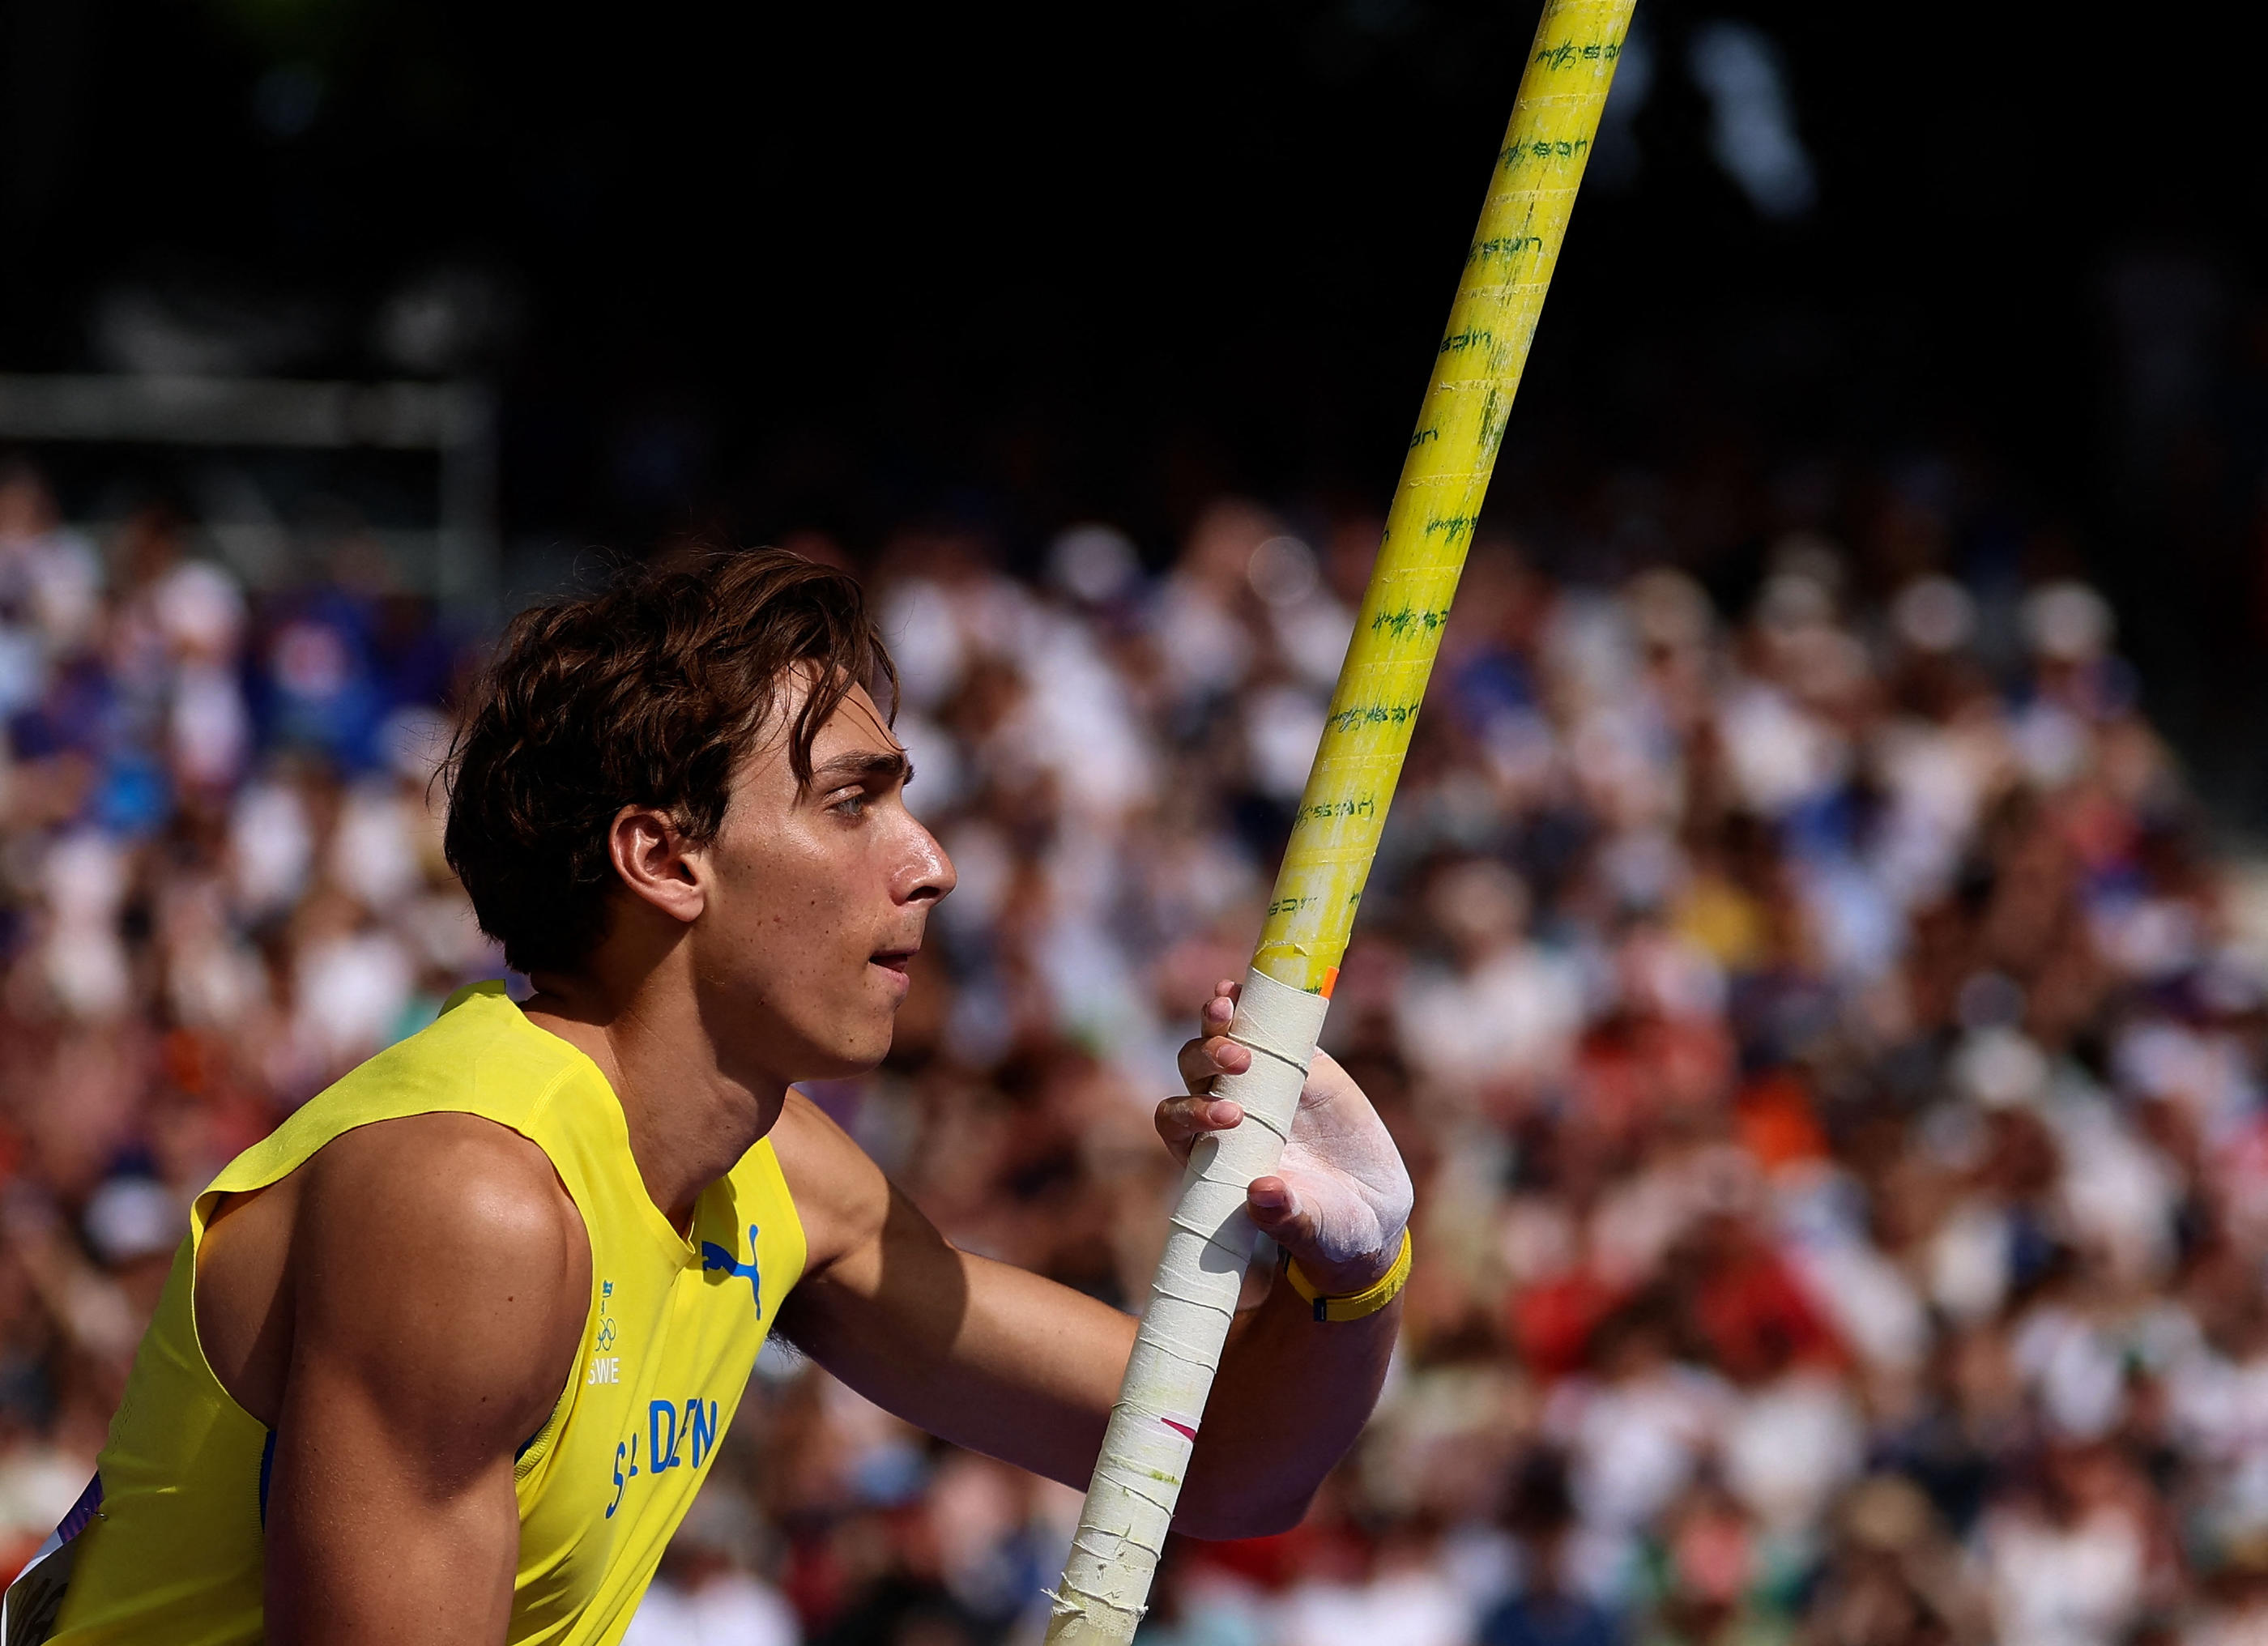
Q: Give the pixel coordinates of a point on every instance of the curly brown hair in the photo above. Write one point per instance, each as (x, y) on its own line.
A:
(647, 693)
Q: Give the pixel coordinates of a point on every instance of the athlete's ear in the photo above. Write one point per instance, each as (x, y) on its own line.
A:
(655, 862)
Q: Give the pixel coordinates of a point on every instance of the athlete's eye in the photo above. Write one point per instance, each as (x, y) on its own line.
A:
(853, 804)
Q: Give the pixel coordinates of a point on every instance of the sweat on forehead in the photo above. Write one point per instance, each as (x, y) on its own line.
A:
(647, 693)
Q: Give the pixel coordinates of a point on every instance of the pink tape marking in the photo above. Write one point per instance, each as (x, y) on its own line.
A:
(1179, 1427)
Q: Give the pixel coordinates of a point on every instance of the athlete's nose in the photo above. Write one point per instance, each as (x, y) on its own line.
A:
(928, 875)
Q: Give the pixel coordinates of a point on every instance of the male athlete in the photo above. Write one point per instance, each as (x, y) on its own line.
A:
(446, 1358)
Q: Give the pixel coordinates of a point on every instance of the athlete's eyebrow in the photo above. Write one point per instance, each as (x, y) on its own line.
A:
(872, 764)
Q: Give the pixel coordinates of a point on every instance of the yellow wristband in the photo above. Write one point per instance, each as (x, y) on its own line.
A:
(1356, 1304)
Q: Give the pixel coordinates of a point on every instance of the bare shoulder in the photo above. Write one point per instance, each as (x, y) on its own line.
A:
(840, 1196)
(436, 1183)
(438, 1258)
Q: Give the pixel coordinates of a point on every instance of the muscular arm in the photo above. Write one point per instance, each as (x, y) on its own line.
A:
(1008, 1363)
(437, 1280)
(987, 1355)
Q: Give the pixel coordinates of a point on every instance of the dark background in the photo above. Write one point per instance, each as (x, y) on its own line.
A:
(746, 272)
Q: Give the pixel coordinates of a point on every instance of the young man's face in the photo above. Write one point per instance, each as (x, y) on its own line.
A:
(817, 901)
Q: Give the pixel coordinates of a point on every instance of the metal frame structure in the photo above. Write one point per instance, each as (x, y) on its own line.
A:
(454, 421)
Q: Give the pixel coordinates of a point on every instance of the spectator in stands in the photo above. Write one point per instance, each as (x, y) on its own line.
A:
(1831, 1053)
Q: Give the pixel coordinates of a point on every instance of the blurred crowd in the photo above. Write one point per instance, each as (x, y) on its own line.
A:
(1828, 1050)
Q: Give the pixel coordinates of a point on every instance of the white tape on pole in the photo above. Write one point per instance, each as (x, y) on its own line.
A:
(1145, 1455)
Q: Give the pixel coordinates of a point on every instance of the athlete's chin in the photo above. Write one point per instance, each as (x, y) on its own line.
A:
(861, 1041)
(848, 1062)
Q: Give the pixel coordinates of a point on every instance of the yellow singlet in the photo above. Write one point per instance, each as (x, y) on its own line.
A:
(168, 1544)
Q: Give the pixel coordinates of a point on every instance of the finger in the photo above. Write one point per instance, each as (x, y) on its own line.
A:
(1197, 1067)
(1182, 1120)
(1201, 1061)
(1276, 1211)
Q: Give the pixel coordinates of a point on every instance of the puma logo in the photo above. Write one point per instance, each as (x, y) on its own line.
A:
(716, 1258)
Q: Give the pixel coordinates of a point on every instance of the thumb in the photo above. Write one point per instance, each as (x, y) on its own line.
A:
(1276, 1211)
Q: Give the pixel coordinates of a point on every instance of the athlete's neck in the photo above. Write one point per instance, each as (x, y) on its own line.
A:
(690, 1118)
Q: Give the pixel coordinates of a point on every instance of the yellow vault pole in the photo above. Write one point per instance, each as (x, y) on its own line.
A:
(1334, 834)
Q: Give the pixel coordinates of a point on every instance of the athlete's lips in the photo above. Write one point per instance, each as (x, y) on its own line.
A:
(895, 961)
